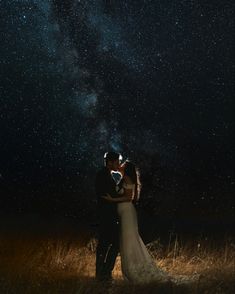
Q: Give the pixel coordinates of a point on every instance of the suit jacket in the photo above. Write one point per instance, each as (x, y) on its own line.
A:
(107, 211)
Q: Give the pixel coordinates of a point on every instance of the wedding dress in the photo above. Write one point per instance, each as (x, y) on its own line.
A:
(137, 265)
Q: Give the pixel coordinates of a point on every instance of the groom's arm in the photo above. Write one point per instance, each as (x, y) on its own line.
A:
(127, 196)
(103, 186)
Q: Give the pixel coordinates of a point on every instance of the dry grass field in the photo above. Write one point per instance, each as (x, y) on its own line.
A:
(66, 264)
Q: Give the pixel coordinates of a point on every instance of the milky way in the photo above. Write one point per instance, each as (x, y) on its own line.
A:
(145, 78)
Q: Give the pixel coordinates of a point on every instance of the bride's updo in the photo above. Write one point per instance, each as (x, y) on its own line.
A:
(133, 172)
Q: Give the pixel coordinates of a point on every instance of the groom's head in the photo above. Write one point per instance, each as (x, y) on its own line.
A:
(112, 160)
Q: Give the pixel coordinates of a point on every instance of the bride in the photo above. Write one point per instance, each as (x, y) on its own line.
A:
(137, 264)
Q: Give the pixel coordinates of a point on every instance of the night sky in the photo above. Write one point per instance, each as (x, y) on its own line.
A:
(150, 79)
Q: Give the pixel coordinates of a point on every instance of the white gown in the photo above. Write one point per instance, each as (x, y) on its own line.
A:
(137, 264)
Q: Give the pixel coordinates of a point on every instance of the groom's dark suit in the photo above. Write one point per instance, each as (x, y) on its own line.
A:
(108, 239)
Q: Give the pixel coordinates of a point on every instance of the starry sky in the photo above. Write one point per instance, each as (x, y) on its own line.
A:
(150, 79)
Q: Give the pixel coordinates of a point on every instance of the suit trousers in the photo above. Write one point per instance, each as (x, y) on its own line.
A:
(107, 249)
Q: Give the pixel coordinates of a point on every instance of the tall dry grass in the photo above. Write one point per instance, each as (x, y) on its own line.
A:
(46, 264)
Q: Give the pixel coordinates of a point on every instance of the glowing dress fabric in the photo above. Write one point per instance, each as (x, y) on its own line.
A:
(137, 264)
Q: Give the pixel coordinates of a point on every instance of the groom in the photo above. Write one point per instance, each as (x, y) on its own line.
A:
(108, 233)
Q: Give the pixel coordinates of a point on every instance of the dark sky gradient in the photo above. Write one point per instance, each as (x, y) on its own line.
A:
(150, 79)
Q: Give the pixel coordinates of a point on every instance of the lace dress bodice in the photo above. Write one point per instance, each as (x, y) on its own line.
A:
(126, 186)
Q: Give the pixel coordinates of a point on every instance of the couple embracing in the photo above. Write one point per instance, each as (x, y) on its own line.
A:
(118, 225)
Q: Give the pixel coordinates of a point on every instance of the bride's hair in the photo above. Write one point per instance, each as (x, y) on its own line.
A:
(133, 172)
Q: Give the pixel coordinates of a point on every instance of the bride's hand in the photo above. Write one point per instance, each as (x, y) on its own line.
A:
(108, 197)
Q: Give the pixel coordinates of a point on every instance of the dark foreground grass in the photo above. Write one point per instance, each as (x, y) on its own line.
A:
(46, 264)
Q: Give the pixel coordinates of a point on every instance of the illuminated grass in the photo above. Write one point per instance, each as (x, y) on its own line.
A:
(67, 265)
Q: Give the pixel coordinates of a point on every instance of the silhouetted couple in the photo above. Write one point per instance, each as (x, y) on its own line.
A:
(118, 226)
